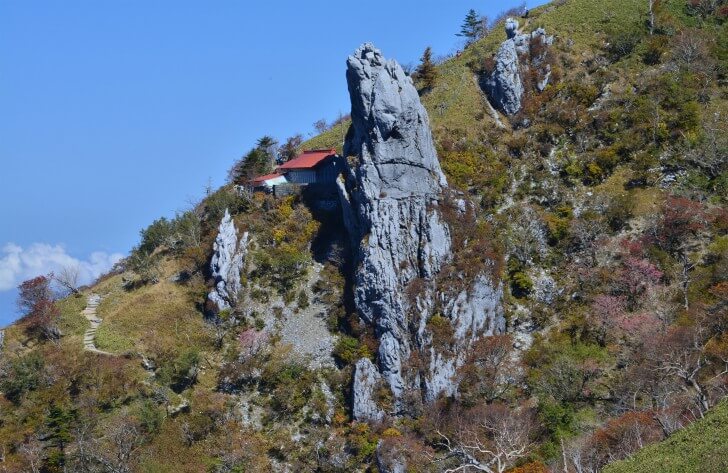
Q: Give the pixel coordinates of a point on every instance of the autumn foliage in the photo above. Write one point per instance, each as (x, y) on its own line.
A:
(35, 301)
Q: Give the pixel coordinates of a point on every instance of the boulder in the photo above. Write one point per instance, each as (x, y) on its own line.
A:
(504, 84)
(227, 263)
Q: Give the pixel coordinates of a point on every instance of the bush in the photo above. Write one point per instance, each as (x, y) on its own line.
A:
(150, 417)
(654, 49)
(289, 383)
(145, 265)
(22, 375)
(442, 331)
(160, 233)
(621, 44)
(558, 224)
(182, 371)
(521, 284)
(283, 266)
(349, 349)
(303, 302)
(619, 211)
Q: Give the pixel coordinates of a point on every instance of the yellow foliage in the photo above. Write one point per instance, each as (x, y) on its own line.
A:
(278, 235)
(391, 432)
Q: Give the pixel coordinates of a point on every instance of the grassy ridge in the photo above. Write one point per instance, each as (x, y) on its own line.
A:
(701, 447)
(457, 106)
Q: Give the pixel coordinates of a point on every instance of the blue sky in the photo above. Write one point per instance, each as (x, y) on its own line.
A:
(115, 113)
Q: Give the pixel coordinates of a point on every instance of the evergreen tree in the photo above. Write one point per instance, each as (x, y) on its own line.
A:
(58, 422)
(473, 27)
(427, 72)
(258, 161)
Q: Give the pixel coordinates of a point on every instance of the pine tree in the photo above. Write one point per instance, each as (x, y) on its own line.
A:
(427, 72)
(472, 28)
(58, 421)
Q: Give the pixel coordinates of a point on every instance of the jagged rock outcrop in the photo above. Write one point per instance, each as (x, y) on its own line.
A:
(365, 383)
(391, 197)
(227, 263)
(504, 84)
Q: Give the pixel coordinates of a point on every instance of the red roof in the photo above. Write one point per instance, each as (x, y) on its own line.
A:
(308, 159)
(261, 179)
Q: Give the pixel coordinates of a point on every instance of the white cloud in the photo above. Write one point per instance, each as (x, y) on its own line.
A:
(18, 264)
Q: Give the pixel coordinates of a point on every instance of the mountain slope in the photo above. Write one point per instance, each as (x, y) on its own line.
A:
(600, 205)
(699, 447)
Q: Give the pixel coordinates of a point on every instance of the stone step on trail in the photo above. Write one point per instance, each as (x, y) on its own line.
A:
(89, 336)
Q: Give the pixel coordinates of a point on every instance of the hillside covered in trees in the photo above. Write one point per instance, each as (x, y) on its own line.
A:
(523, 267)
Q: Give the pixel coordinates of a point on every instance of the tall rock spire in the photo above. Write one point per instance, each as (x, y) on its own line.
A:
(227, 263)
(391, 197)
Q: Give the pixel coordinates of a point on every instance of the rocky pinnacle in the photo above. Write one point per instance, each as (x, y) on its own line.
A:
(391, 196)
(227, 263)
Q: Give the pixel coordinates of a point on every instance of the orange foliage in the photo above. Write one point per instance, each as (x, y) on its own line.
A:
(533, 467)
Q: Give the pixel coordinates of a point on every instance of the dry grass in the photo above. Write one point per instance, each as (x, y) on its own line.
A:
(151, 319)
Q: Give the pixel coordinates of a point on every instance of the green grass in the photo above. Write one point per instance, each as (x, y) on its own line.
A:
(151, 319)
(332, 138)
(582, 20)
(701, 448)
(456, 105)
(71, 321)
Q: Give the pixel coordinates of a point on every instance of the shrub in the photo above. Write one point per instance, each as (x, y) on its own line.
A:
(283, 266)
(521, 284)
(442, 331)
(655, 47)
(145, 265)
(303, 302)
(349, 349)
(289, 383)
(160, 233)
(621, 44)
(619, 210)
(533, 467)
(150, 417)
(22, 375)
(181, 372)
(40, 312)
(558, 224)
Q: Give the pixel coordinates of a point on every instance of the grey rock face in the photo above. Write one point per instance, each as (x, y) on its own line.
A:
(366, 378)
(391, 198)
(545, 289)
(227, 263)
(504, 84)
(511, 27)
